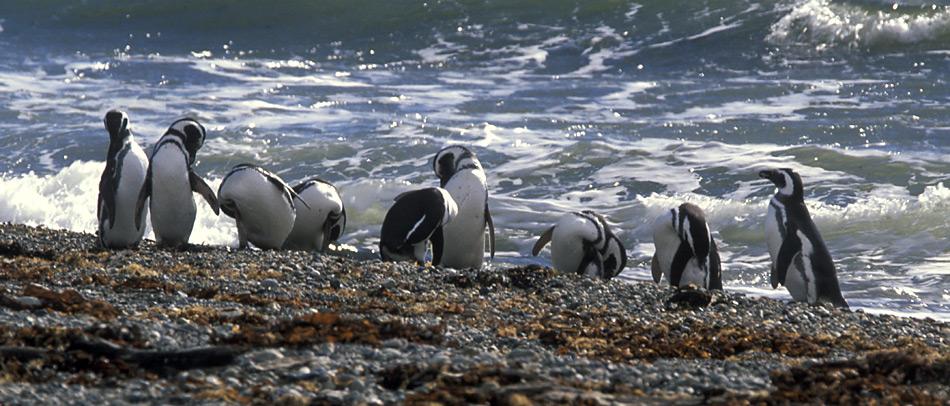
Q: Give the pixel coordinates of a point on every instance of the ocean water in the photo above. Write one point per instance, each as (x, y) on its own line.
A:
(624, 107)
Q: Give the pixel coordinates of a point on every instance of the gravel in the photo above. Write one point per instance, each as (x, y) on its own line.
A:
(313, 328)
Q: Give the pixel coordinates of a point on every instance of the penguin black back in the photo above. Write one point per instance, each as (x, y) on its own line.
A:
(414, 217)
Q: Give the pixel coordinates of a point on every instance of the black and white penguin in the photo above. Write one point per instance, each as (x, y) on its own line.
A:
(416, 217)
(685, 253)
(800, 259)
(460, 173)
(582, 243)
(261, 204)
(170, 181)
(322, 222)
(119, 186)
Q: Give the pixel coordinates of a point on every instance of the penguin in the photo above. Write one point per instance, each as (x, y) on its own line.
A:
(170, 181)
(582, 243)
(463, 241)
(320, 224)
(121, 181)
(686, 253)
(800, 259)
(261, 204)
(414, 218)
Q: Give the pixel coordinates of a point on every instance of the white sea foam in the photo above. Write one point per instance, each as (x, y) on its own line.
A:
(823, 22)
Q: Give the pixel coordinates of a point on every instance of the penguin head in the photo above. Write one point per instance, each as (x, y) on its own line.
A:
(615, 257)
(452, 159)
(612, 252)
(117, 124)
(693, 230)
(788, 182)
(192, 134)
(336, 225)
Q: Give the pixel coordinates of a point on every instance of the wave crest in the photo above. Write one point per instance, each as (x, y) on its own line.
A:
(823, 24)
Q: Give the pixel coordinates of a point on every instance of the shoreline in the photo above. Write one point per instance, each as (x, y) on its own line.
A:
(87, 325)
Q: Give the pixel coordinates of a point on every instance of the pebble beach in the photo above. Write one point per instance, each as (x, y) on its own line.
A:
(81, 325)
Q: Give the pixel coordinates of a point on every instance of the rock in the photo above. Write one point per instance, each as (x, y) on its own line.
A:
(270, 283)
(262, 356)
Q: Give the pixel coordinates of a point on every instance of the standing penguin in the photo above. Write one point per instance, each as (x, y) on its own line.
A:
(463, 242)
(261, 204)
(322, 222)
(414, 218)
(685, 250)
(582, 243)
(170, 181)
(119, 186)
(800, 259)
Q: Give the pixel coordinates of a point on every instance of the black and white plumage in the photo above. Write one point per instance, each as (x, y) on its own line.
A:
(582, 243)
(461, 174)
(319, 223)
(170, 181)
(800, 259)
(686, 252)
(416, 217)
(119, 186)
(261, 204)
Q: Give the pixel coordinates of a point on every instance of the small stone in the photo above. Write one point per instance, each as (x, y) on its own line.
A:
(270, 283)
(270, 354)
(28, 302)
(334, 396)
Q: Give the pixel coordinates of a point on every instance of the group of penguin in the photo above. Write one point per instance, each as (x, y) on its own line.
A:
(451, 218)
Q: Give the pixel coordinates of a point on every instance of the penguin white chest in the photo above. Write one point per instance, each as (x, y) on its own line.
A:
(464, 237)
(172, 205)
(800, 279)
(666, 242)
(265, 214)
(694, 275)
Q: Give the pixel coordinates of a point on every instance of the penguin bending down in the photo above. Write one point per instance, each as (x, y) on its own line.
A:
(800, 259)
(261, 204)
(416, 217)
(322, 222)
(170, 181)
(119, 186)
(685, 250)
(461, 174)
(582, 243)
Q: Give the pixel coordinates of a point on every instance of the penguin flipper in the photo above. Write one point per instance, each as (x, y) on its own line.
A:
(655, 267)
(423, 230)
(144, 193)
(438, 240)
(680, 259)
(791, 246)
(491, 231)
(198, 185)
(715, 267)
(543, 240)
